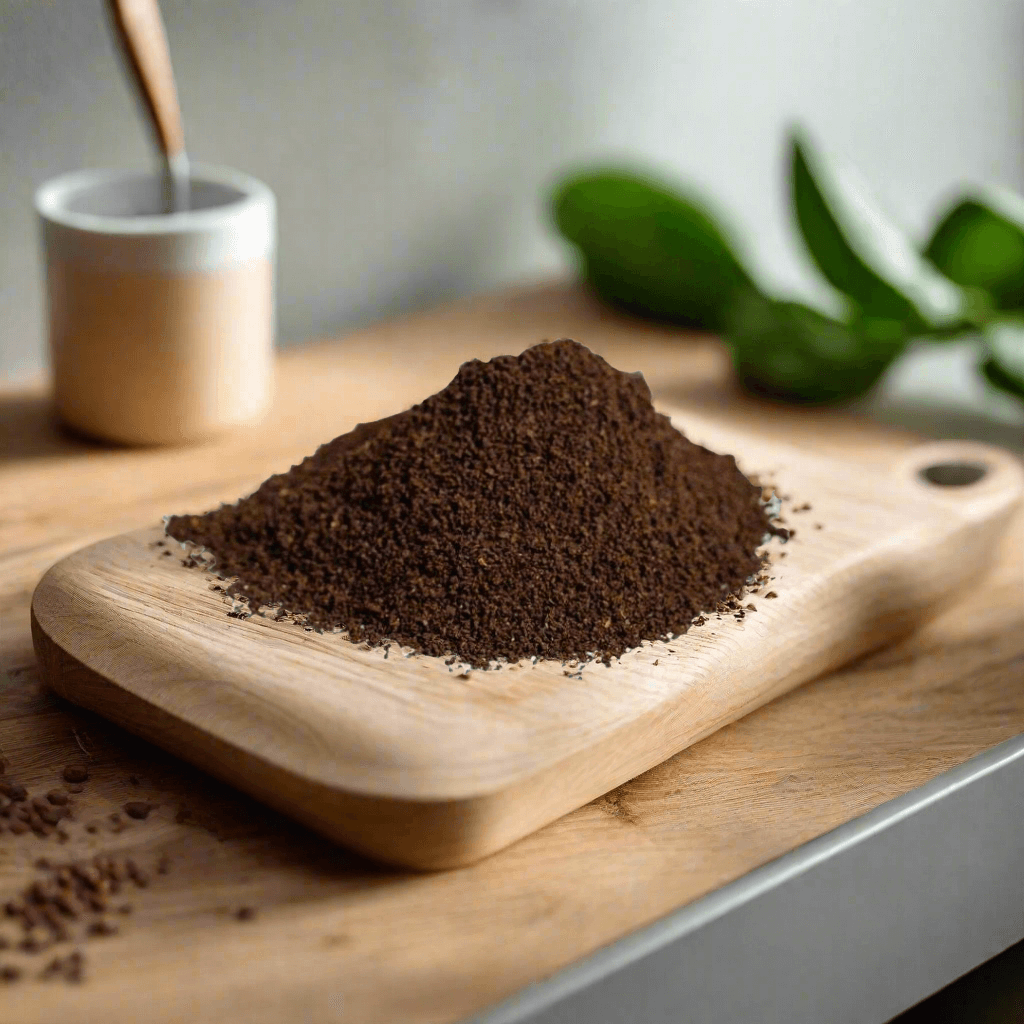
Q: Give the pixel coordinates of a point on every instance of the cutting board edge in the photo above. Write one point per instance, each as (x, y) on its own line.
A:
(452, 831)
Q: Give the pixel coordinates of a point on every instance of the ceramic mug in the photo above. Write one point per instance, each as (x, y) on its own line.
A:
(161, 326)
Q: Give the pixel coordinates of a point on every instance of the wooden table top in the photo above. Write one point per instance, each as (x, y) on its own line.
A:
(335, 937)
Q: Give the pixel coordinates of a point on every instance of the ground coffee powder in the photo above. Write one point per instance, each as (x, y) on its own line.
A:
(537, 506)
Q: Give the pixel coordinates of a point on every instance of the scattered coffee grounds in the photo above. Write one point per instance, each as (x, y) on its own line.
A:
(538, 506)
(69, 901)
(137, 809)
(74, 773)
(70, 897)
(69, 968)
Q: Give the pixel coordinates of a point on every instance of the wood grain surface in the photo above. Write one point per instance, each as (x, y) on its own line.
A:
(141, 32)
(422, 763)
(338, 938)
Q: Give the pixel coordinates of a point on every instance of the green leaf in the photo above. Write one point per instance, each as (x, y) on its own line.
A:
(861, 252)
(1003, 361)
(645, 247)
(980, 244)
(788, 351)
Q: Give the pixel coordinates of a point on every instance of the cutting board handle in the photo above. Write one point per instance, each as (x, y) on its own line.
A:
(975, 481)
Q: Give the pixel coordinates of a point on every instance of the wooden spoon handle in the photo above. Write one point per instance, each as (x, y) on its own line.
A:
(141, 31)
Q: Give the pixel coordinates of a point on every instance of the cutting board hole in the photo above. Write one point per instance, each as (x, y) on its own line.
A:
(954, 474)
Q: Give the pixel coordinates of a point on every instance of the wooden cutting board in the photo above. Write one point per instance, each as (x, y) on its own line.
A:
(426, 765)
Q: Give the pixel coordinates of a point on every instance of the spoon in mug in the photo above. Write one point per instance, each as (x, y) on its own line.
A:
(139, 31)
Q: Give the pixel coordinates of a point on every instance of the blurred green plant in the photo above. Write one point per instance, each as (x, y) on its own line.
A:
(649, 248)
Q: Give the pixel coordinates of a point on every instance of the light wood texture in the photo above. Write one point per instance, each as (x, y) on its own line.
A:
(338, 938)
(142, 35)
(139, 30)
(423, 764)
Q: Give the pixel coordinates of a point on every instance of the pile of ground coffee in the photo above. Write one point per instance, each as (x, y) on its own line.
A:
(537, 506)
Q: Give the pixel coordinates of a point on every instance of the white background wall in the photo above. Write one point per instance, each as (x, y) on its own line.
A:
(410, 142)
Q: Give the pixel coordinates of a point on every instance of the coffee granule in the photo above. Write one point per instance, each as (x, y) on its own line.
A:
(137, 809)
(537, 507)
(13, 790)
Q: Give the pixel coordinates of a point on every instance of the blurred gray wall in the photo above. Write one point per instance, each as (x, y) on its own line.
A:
(410, 142)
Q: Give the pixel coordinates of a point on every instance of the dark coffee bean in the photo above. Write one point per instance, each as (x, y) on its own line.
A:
(76, 787)
(104, 926)
(68, 906)
(57, 796)
(52, 815)
(245, 913)
(88, 874)
(136, 874)
(38, 892)
(74, 968)
(9, 973)
(13, 790)
(138, 809)
(52, 969)
(37, 939)
(75, 773)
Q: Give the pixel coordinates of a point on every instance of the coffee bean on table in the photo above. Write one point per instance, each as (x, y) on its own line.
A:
(138, 809)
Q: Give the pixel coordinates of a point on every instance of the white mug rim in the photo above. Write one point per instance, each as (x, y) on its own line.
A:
(52, 196)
